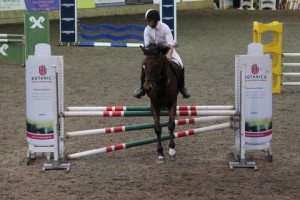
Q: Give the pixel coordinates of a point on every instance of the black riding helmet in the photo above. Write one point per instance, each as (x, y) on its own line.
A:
(152, 15)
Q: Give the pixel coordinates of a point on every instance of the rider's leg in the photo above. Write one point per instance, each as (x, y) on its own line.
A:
(185, 92)
(139, 92)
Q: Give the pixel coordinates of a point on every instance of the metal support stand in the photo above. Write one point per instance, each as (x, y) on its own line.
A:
(56, 165)
(242, 163)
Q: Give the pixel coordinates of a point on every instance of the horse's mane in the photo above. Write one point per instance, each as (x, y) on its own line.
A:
(156, 49)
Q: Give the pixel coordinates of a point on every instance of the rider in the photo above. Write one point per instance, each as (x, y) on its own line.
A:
(160, 33)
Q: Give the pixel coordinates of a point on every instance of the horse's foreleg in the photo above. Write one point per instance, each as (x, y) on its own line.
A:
(157, 129)
(171, 128)
(172, 151)
(160, 150)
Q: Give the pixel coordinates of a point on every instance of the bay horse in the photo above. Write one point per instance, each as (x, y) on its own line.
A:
(162, 87)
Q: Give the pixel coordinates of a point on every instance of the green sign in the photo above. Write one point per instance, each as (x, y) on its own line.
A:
(37, 30)
(12, 50)
(18, 47)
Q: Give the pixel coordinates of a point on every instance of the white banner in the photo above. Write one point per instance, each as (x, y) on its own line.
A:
(258, 94)
(40, 97)
(158, 1)
(12, 5)
(103, 3)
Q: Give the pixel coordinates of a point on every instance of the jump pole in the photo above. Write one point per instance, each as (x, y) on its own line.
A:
(290, 83)
(147, 113)
(11, 40)
(133, 127)
(147, 108)
(291, 54)
(148, 141)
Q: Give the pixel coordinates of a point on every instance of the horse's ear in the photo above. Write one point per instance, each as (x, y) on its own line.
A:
(164, 50)
(143, 49)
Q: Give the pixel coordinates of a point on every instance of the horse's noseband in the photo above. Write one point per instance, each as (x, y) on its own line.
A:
(160, 79)
(154, 79)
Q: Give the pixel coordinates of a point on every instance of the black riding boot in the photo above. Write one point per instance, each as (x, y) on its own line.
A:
(139, 92)
(185, 92)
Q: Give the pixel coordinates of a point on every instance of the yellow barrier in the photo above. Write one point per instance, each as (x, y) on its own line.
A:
(274, 48)
(85, 4)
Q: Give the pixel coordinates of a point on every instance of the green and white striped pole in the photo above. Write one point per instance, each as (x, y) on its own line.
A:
(148, 141)
(147, 113)
(147, 108)
(133, 127)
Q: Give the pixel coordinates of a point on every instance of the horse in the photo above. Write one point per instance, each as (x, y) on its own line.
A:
(162, 87)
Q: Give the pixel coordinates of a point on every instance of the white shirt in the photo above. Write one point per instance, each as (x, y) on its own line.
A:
(161, 34)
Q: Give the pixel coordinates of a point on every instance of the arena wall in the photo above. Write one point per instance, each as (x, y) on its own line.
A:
(17, 16)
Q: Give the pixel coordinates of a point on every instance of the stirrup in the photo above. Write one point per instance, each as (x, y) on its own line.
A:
(185, 93)
(139, 92)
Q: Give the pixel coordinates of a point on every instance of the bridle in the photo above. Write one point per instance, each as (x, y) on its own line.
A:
(156, 52)
(158, 80)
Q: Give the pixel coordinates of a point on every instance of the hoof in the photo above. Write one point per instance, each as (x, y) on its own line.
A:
(172, 157)
(160, 160)
(172, 154)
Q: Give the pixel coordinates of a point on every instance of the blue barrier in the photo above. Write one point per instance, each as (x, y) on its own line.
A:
(115, 29)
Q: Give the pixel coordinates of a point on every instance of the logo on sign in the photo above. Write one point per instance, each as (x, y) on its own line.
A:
(2, 49)
(254, 69)
(37, 22)
(42, 70)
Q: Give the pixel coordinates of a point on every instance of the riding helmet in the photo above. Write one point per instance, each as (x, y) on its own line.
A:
(152, 15)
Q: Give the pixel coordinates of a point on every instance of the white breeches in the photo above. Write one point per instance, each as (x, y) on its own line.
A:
(176, 58)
